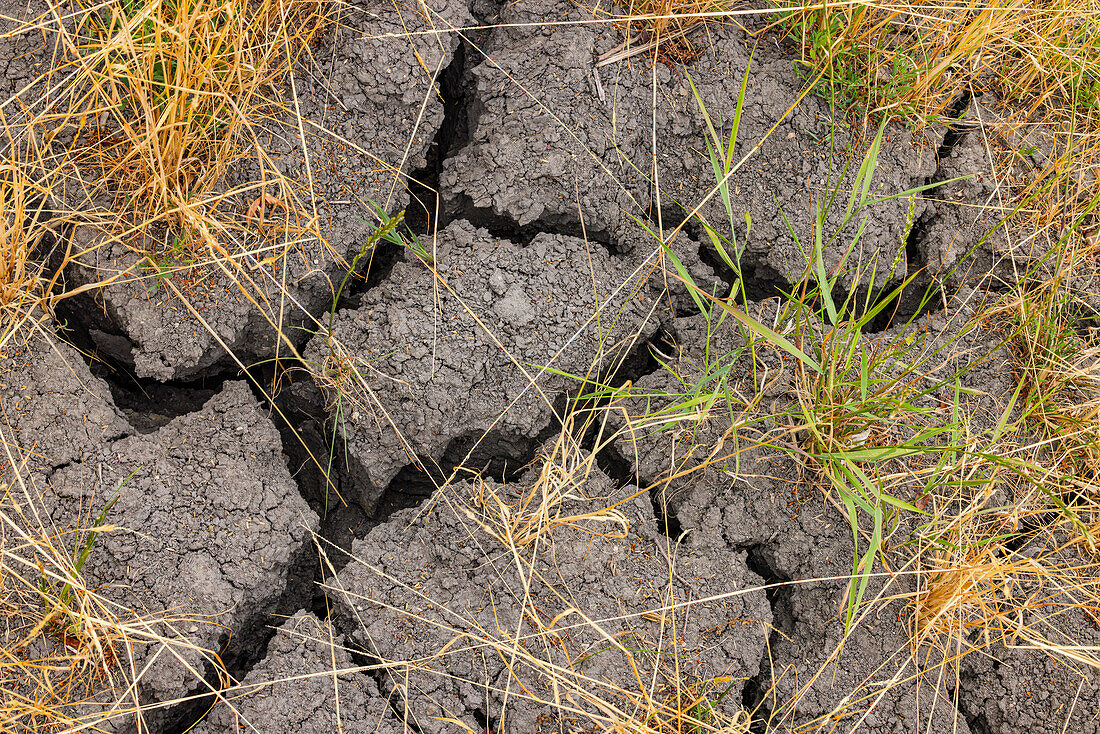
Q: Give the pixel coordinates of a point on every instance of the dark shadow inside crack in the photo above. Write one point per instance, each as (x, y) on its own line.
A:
(306, 447)
(760, 282)
(183, 717)
(503, 227)
(373, 269)
(375, 669)
(757, 697)
(150, 405)
(246, 645)
(979, 724)
(147, 404)
(425, 215)
(957, 126)
(498, 456)
(667, 521)
(483, 721)
(615, 466)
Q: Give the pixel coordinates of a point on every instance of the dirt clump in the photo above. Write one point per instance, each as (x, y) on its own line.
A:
(53, 408)
(200, 534)
(307, 683)
(360, 113)
(582, 613)
(558, 137)
(488, 339)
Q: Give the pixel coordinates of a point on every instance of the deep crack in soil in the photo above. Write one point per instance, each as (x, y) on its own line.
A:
(425, 214)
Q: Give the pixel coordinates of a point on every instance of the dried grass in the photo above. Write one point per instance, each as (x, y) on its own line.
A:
(169, 95)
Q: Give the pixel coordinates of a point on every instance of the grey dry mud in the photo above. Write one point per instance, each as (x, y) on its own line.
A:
(207, 531)
(556, 136)
(467, 360)
(309, 683)
(484, 346)
(22, 55)
(586, 614)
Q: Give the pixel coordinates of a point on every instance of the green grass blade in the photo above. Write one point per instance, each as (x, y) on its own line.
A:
(774, 338)
(685, 276)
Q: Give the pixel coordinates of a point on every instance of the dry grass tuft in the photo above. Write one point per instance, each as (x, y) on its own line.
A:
(664, 27)
(168, 95)
(1037, 64)
(917, 57)
(969, 578)
(22, 229)
(985, 581)
(60, 644)
(1056, 357)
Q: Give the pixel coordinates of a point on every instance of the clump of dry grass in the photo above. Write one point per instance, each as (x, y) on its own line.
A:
(168, 95)
(60, 643)
(1056, 357)
(664, 27)
(22, 229)
(524, 520)
(1007, 576)
(917, 57)
(916, 60)
(30, 258)
(969, 574)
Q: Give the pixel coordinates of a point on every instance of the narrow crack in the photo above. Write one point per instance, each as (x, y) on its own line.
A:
(147, 403)
(760, 281)
(373, 270)
(425, 215)
(251, 640)
(373, 664)
(248, 643)
(979, 724)
(956, 132)
(483, 720)
(306, 447)
(667, 521)
(754, 696)
(495, 456)
(639, 361)
(503, 227)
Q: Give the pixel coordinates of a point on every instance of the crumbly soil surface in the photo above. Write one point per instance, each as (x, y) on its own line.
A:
(489, 340)
(343, 542)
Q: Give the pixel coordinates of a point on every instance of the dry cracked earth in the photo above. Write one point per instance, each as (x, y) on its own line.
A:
(298, 532)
